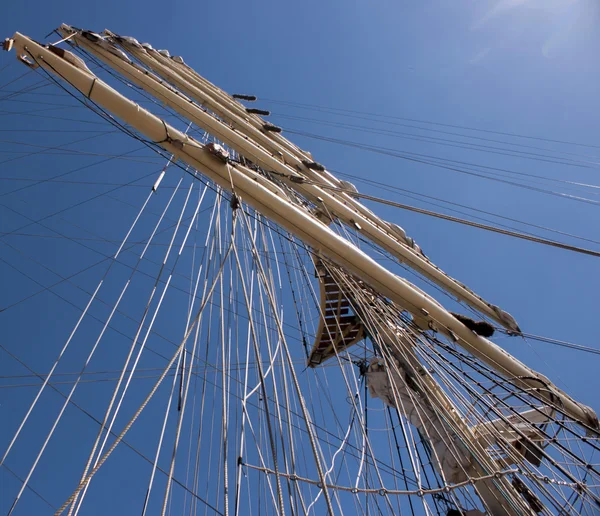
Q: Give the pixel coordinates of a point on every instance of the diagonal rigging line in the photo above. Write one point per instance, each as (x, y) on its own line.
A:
(98, 319)
(14, 130)
(96, 420)
(34, 491)
(15, 79)
(565, 344)
(25, 91)
(404, 191)
(427, 160)
(494, 229)
(196, 370)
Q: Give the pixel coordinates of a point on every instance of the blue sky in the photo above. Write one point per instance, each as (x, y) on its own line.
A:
(526, 67)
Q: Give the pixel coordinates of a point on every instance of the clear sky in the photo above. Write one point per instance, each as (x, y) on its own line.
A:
(463, 68)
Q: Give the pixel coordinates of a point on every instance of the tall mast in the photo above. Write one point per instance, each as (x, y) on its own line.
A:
(267, 197)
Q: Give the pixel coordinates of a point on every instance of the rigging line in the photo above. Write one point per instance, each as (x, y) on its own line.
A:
(190, 305)
(97, 319)
(515, 135)
(476, 167)
(487, 220)
(27, 90)
(82, 239)
(30, 91)
(261, 375)
(515, 234)
(75, 152)
(208, 368)
(60, 107)
(408, 157)
(68, 278)
(57, 94)
(15, 79)
(269, 251)
(461, 145)
(96, 380)
(57, 152)
(29, 487)
(450, 218)
(45, 147)
(97, 421)
(397, 188)
(164, 425)
(557, 342)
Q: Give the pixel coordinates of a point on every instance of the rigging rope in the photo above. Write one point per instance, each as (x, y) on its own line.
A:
(450, 218)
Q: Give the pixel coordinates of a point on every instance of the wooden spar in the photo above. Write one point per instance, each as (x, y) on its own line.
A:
(242, 138)
(269, 199)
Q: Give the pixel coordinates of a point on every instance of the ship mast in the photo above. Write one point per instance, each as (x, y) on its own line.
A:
(399, 369)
